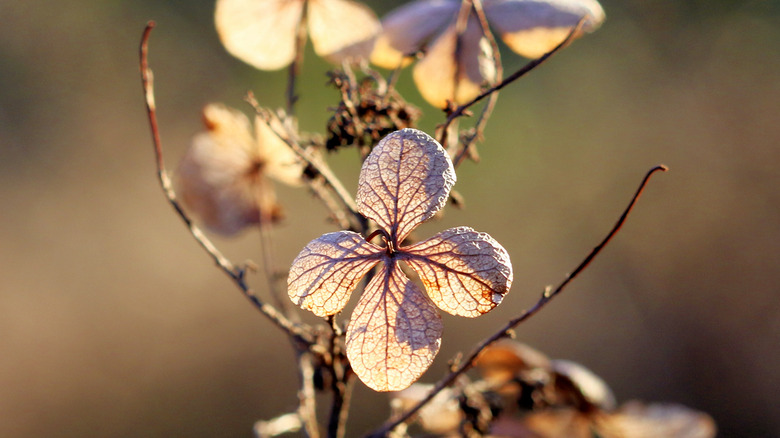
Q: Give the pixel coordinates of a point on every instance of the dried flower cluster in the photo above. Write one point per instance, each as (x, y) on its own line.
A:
(229, 194)
(395, 331)
(522, 393)
(458, 58)
(366, 113)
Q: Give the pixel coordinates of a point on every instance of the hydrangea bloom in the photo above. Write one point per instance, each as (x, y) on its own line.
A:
(529, 27)
(395, 330)
(223, 177)
(262, 33)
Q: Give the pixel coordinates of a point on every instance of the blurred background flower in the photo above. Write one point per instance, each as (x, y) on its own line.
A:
(224, 178)
(114, 322)
(263, 33)
(458, 62)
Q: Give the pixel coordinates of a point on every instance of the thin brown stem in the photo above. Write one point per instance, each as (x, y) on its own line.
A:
(307, 400)
(272, 275)
(338, 214)
(349, 93)
(342, 397)
(315, 164)
(461, 23)
(548, 294)
(342, 382)
(295, 68)
(468, 149)
(237, 274)
(460, 110)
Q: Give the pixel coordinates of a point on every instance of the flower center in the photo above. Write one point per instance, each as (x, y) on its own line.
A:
(390, 249)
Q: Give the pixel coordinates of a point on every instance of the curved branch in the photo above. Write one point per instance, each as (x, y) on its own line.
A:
(461, 109)
(546, 297)
(235, 273)
(467, 149)
(295, 67)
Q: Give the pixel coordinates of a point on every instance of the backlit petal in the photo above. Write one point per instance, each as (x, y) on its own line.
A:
(534, 27)
(410, 27)
(328, 269)
(395, 332)
(637, 420)
(341, 29)
(404, 181)
(217, 179)
(259, 32)
(281, 162)
(449, 72)
(465, 272)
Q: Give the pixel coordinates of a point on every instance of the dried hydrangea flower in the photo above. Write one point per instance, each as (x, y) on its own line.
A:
(395, 330)
(223, 177)
(529, 27)
(263, 33)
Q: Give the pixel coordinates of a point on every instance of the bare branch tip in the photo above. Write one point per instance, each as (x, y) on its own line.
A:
(147, 31)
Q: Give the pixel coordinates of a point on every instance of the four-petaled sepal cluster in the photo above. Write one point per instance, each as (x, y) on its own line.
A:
(395, 330)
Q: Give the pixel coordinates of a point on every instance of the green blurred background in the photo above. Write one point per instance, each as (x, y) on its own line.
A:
(114, 323)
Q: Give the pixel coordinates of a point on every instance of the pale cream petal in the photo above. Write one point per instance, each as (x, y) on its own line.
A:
(449, 73)
(465, 272)
(328, 269)
(639, 420)
(591, 390)
(562, 422)
(410, 27)
(394, 333)
(259, 32)
(281, 162)
(404, 181)
(342, 30)
(218, 179)
(534, 27)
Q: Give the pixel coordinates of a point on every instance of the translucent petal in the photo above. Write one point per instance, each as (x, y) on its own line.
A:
(465, 272)
(281, 163)
(404, 181)
(451, 73)
(563, 422)
(410, 27)
(218, 178)
(259, 32)
(576, 382)
(328, 269)
(341, 29)
(534, 27)
(395, 332)
(637, 420)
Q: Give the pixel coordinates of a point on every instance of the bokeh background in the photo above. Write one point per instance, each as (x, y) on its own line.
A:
(114, 323)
